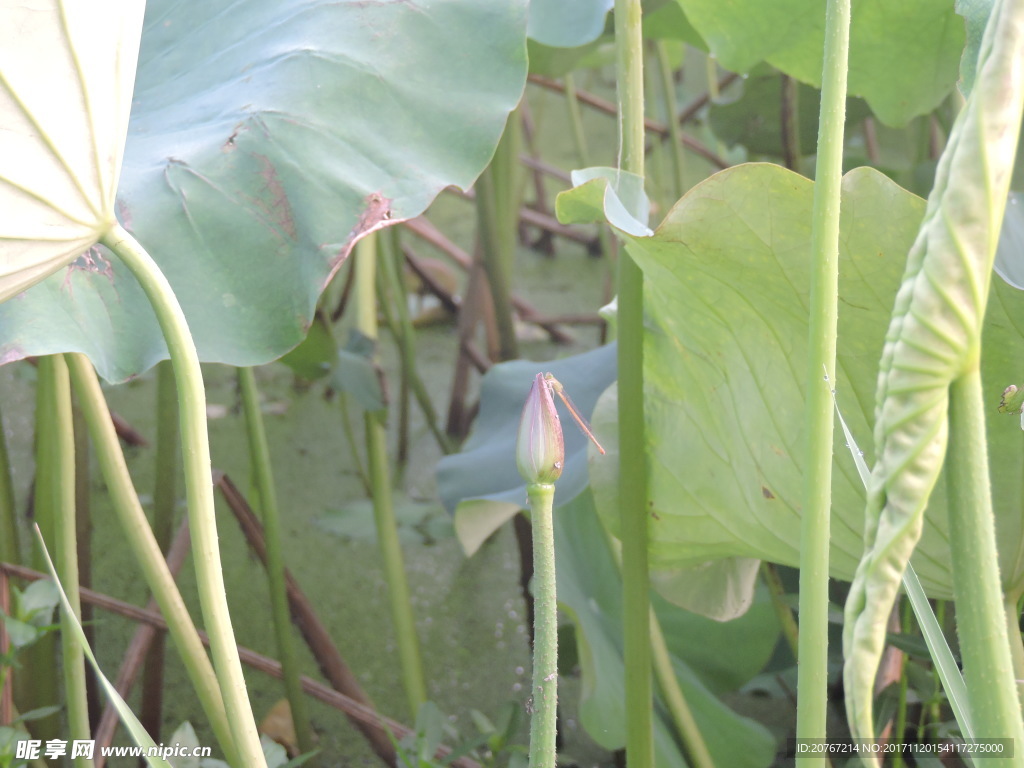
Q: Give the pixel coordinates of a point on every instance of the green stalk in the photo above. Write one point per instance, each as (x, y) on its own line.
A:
(139, 538)
(391, 264)
(711, 70)
(385, 298)
(981, 622)
(380, 490)
(790, 630)
(65, 538)
(636, 608)
(694, 746)
(9, 549)
(497, 202)
(812, 678)
(544, 694)
(165, 495)
(579, 137)
(264, 477)
(199, 489)
(572, 105)
(675, 130)
(36, 681)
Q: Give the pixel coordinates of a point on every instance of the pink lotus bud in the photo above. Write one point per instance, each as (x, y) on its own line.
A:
(540, 450)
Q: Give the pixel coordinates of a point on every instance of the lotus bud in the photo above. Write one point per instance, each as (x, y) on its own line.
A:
(540, 450)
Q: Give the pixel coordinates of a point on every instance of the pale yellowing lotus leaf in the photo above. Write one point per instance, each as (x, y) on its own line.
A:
(67, 70)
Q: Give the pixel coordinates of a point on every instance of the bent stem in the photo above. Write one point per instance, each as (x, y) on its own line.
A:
(262, 469)
(143, 546)
(812, 679)
(544, 694)
(199, 489)
(981, 624)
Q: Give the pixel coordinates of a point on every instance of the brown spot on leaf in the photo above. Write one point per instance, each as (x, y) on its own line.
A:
(766, 493)
(376, 215)
(231, 145)
(273, 200)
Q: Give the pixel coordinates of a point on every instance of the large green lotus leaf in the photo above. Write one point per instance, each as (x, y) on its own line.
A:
(264, 140)
(590, 592)
(726, 289)
(904, 57)
(64, 102)
(721, 589)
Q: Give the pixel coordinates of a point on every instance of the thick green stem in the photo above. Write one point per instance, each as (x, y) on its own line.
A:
(380, 490)
(165, 496)
(262, 468)
(199, 490)
(497, 202)
(65, 538)
(981, 621)
(694, 746)
(544, 694)
(140, 541)
(36, 681)
(636, 606)
(812, 680)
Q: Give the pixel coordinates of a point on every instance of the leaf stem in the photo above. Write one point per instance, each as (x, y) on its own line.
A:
(694, 746)
(636, 606)
(812, 679)
(62, 480)
(199, 487)
(165, 497)
(675, 129)
(262, 469)
(142, 544)
(981, 621)
(380, 491)
(544, 694)
(37, 683)
(497, 203)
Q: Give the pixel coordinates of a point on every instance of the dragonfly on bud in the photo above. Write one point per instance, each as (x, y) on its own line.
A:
(540, 448)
